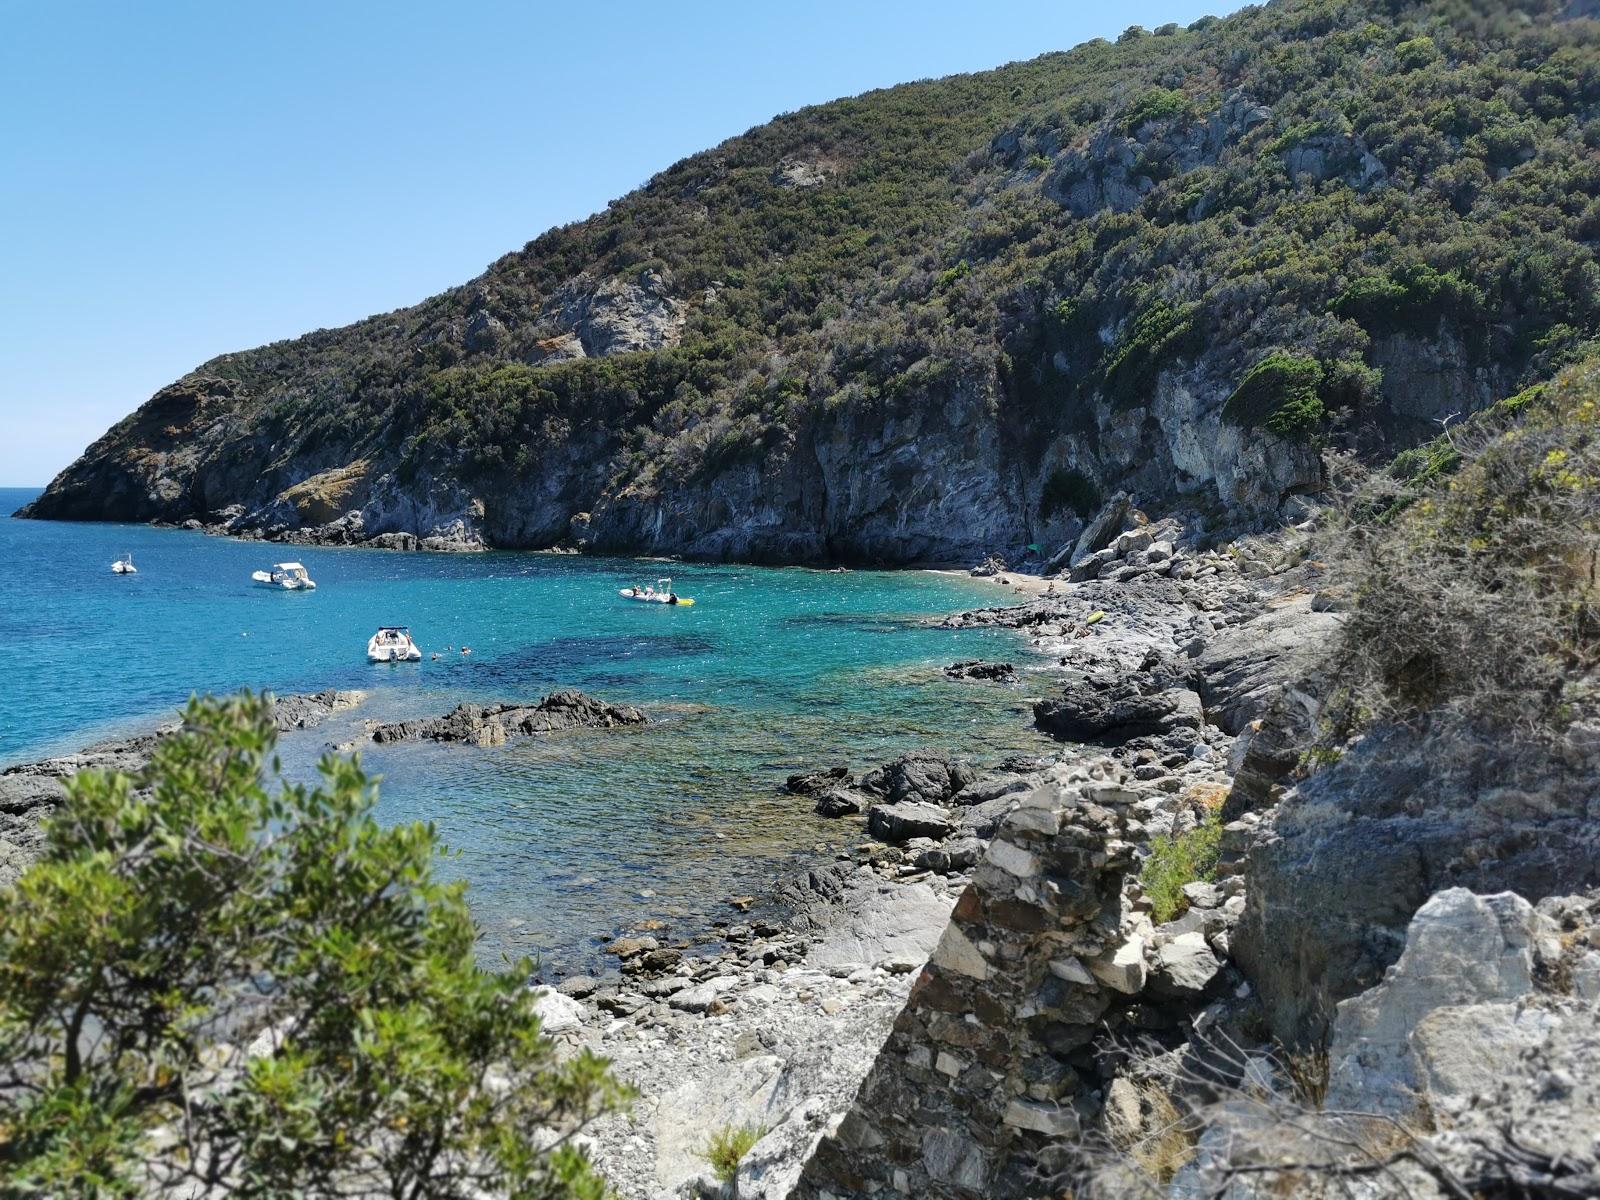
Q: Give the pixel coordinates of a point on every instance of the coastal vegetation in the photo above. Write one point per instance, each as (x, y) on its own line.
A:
(1484, 538)
(207, 981)
(1181, 859)
(728, 1146)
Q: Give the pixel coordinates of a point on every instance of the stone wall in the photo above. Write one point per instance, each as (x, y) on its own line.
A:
(977, 1091)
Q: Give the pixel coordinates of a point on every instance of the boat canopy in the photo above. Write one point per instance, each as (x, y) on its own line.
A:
(287, 567)
(394, 629)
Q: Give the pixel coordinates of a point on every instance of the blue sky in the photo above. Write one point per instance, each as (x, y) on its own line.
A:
(182, 179)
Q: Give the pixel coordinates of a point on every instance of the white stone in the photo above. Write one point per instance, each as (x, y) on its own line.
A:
(955, 952)
(1072, 970)
(1013, 859)
(1049, 1119)
(899, 928)
(1461, 950)
(557, 1012)
(699, 997)
(1123, 969)
(1586, 977)
(1465, 1051)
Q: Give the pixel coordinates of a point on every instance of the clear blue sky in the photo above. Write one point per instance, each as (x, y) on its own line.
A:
(182, 179)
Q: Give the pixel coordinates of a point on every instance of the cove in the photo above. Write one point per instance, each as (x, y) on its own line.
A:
(564, 839)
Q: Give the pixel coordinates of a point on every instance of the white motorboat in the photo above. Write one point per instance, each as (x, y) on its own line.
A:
(124, 566)
(393, 643)
(660, 593)
(291, 577)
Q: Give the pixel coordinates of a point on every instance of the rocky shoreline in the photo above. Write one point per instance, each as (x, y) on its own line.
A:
(30, 791)
(820, 1016)
(777, 1025)
(776, 1032)
(1110, 1046)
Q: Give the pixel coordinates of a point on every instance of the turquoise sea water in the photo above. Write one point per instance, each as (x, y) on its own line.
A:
(563, 839)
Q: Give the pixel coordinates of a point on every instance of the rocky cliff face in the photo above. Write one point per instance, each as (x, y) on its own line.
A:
(950, 317)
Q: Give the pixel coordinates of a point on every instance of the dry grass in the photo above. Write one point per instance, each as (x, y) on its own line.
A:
(1475, 591)
(1307, 1072)
(1169, 1145)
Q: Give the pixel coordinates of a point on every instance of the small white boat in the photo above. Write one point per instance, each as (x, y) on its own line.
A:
(291, 577)
(124, 566)
(393, 643)
(661, 593)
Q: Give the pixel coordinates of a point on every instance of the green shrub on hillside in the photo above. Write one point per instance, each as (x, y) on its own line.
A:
(728, 1146)
(189, 907)
(1158, 334)
(1467, 217)
(1158, 104)
(1279, 394)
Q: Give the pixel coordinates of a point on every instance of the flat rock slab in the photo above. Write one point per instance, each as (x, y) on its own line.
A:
(1108, 715)
(899, 823)
(304, 712)
(897, 928)
(980, 671)
(492, 724)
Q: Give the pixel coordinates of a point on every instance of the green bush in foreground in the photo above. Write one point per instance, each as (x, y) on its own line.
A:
(1174, 861)
(180, 911)
(728, 1146)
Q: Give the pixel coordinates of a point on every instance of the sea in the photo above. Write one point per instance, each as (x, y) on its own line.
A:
(564, 840)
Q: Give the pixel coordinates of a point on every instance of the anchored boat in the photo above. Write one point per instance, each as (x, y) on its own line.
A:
(291, 577)
(124, 566)
(392, 643)
(661, 593)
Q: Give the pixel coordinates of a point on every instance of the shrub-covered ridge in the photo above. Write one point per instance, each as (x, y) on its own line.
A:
(881, 327)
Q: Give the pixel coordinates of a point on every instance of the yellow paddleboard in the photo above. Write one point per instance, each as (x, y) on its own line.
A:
(682, 601)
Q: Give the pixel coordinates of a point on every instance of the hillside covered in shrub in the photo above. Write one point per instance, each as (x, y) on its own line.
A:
(954, 315)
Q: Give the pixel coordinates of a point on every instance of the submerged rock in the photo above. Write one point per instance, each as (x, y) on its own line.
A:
(304, 712)
(814, 783)
(977, 669)
(491, 724)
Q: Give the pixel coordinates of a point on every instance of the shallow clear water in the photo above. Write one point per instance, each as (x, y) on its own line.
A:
(566, 838)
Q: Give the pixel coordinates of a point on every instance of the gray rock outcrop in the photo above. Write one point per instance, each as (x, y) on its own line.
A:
(492, 724)
(1445, 1024)
(928, 776)
(1356, 849)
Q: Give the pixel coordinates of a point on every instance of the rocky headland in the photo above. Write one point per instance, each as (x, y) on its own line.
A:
(948, 319)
